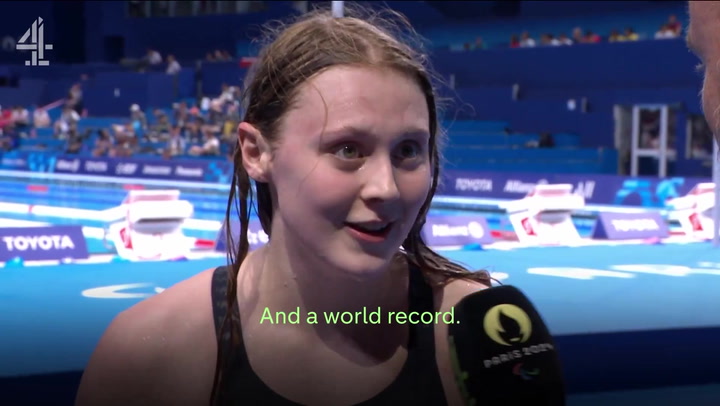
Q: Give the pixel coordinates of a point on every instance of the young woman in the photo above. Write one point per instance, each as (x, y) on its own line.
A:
(341, 138)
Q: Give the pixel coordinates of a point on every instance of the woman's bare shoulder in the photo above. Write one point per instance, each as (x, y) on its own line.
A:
(157, 351)
(183, 306)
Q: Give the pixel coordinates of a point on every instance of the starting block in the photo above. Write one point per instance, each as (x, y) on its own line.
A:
(544, 215)
(694, 211)
(152, 229)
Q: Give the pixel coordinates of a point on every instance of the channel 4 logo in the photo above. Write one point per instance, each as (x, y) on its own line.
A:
(34, 40)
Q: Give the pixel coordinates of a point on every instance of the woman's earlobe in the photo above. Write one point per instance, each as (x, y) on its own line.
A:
(255, 152)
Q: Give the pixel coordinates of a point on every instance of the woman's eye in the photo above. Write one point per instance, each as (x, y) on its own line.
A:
(409, 150)
(348, 152)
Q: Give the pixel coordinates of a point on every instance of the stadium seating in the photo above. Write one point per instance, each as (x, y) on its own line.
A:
(497, 32)
(502, 133)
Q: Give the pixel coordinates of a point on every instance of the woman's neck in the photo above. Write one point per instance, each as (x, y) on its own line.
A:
(294, 278)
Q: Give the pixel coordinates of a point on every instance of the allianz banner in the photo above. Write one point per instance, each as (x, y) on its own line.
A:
(452, 231)
(596, 189)
(43, 243)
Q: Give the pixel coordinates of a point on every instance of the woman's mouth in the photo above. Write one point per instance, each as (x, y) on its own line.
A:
(373, 232)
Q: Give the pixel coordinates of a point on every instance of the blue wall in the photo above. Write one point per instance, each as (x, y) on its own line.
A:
(185, 37)
(189, 37)
(628, 64)
(111, 94)
(542, 110)
(604, 74)
(581, 8)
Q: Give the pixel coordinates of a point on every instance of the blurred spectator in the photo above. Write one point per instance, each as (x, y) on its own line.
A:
(153, 57)
(173, 67)
(176, 143)
(578, 36)
(216, 113)
(103, 144)
(514, 42)
(211, 147)
(591, 37)
(5, 117)
(180, 113)
(74, 143)
(699, 150)
(126, 141)
(41, 119)
(160, 131)
(229, 94)
(615, 36)
(75, 98)
(526, 41)
(138, 119)
(549, 40)
(67, 121)
(564, 40)
(674, 25)
(665, 32)
(123, 133)
(194, 111)
(222, 55)
(8, 138)
(218, 56)
(546, 141)
(232, 119)
(545, 40)
(204, 104)
(630, 35)
(21, 118)
(193, 130)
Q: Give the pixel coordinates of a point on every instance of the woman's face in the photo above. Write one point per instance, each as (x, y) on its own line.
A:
(352, 169)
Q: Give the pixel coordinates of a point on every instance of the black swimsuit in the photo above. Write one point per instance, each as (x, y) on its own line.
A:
(418, 383)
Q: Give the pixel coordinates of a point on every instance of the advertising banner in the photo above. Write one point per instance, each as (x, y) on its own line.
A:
(43, 243)
(189, 171)
(444, 231)
(596, 189)
(630, 226)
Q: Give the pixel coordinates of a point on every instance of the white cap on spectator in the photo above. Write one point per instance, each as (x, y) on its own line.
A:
(134, 107)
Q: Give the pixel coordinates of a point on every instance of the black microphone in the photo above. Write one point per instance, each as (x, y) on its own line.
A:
(502, 352)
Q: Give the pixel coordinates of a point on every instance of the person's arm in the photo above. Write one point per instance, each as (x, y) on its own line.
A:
(125, 366)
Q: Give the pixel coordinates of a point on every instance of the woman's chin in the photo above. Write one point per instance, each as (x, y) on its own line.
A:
(365, 266)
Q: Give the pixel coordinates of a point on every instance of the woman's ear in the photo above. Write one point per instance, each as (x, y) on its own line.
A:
(256, 152)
